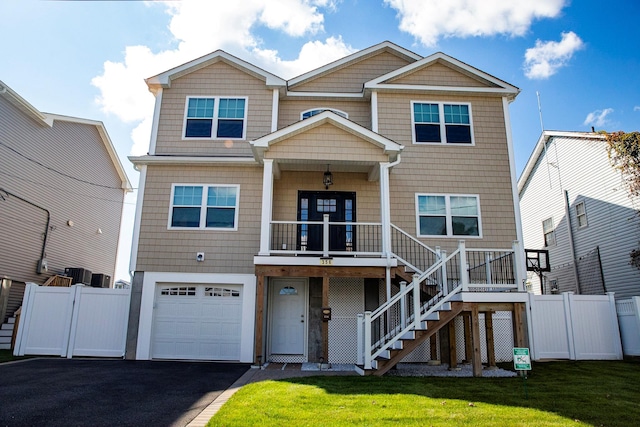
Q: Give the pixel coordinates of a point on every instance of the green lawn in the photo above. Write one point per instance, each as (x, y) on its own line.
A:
(559, 393)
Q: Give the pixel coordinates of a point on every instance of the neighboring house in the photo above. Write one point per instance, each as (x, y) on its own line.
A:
(576, 205)
(268, 207)
(62, 187)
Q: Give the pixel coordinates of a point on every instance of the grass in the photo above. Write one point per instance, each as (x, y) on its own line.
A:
(559, 393)
(7, 356)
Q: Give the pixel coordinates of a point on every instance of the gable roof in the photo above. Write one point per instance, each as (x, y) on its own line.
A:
(385, 46)
(47, 119)
(539, 150)
(493, 84)
(262, 144)
(163, 80)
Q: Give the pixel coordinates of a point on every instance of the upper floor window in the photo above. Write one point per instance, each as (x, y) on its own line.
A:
(447, 215)
(438, 122)
(549, 232)
(204, 206)
(314, 111)
(215, 118)
(581, 214)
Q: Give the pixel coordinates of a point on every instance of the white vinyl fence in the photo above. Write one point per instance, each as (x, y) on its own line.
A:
(74, 321)
(575, 327)
(629, 319)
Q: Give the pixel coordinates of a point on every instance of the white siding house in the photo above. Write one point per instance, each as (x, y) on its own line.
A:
(575, 205)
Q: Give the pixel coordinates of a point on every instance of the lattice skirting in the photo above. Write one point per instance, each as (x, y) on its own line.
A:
(346, 299)
(284, 358)
(502, 337)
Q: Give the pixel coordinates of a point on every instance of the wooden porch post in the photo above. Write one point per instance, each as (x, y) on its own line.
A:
(468, 345)
(325, 325)
(433, 349)
(257, 358)
(518, 324)
(453, 354)
(491, 352)
(475, 338)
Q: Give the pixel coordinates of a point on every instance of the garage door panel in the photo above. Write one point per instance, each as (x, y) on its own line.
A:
(197, 322)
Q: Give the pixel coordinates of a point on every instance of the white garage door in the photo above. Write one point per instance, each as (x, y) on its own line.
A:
(197, 322)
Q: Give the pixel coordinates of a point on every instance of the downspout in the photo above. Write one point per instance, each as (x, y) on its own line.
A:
(41, 262)
(567, 213)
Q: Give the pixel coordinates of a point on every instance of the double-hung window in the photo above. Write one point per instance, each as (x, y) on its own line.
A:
(448, 215)
(204, 207)
(215, 118)
(581, 214)
(441, 123)
(549, 232)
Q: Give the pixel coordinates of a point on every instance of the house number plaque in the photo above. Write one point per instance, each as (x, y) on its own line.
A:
(326, 314)
(326, 261)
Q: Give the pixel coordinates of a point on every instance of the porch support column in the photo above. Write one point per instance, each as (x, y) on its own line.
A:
(468, 347)
(267, 199)
(518, 324)
(476, 359)
(491, 351)
(325, 324)
(453, 354)
(385, 209)
(257, 360)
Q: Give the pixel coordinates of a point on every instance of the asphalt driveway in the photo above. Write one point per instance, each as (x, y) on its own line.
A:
(72, 392)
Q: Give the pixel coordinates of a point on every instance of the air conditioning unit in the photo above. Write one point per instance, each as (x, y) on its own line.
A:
(100, 280)
(78, 275)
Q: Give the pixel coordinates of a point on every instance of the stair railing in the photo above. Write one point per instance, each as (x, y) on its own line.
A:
(381, 329)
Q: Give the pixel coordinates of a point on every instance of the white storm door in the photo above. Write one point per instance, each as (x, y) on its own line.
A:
(288, 316)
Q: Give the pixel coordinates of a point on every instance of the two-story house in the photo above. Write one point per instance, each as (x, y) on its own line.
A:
(278, 219)
(577, 207)
(62, 189)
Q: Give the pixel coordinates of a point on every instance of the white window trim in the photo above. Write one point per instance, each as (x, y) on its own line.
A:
(203, 207)
(443, 130)
(334, 110)
(544, 232)
(214, 124)
(584, 208)
(448, 217)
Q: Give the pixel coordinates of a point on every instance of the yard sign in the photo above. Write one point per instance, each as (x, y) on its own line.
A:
(521, 359)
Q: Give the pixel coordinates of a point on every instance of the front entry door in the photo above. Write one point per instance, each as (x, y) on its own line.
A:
(340, 206)
(288, 316)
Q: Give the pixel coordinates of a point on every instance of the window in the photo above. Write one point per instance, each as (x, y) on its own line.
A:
(204, 206)
(448, 215)
(179, 291)
(215, 118)
(549, 232)
(221, 292)
(314, 111)
(440, 123)
(581, 214)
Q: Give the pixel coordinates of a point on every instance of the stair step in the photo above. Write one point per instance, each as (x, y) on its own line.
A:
(445, 307)
(409, 335)
(435, 316)
(11, 320)
(4, 339)
(4, 346)
(7, 326)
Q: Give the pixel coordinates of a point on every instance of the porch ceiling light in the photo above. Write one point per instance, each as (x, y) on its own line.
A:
(327, 178)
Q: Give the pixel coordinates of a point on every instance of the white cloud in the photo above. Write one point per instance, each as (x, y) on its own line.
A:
(636, 108)
(546, 58)
(598, 117)
(202, 27)
(430, 20)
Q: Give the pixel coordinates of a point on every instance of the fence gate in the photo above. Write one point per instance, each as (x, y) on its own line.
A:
(575, 327)
(74, 321)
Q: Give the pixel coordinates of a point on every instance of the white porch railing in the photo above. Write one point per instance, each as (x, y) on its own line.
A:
(326, 238)
(469, 270)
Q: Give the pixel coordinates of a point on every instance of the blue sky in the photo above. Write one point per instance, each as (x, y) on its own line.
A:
(88, 59)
